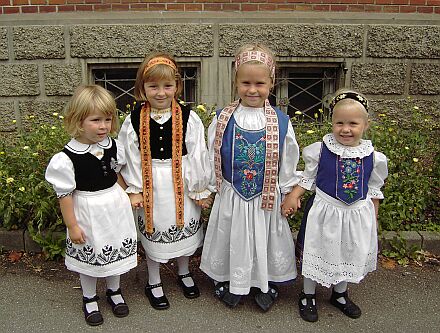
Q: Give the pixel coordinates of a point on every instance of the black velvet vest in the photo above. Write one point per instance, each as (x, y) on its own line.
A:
(92, 174)
(161, 135)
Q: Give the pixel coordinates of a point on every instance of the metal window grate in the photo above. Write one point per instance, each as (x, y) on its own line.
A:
(304, 89)
(120, 81)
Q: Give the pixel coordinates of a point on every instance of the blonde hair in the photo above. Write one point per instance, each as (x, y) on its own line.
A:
(159, 72)
(349, 100)
(86, 100)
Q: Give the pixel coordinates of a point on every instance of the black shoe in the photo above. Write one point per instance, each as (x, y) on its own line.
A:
(349, 308)
(188, 292)
(159, 303)
(266, 300)
(119, 310)
(222, 292)
(93, 318)
(308, 312)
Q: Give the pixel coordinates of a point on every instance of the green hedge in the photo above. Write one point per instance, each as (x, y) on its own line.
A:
(411, 190)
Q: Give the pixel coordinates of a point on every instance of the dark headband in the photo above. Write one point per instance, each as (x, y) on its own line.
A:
(350, 95)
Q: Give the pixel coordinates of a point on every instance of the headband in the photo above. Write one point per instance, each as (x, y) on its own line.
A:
(159, 61)
(350, 95)
(259, 56)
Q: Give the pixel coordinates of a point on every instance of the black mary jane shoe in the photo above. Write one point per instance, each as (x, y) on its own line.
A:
(93, 318)
(119, 310)
(222, 292)
(308, 312)
(349, 308)
(266, 300)
(188, 292)
(158, 303)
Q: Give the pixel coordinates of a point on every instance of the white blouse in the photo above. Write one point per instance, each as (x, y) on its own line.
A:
(311, 155)
(255, 119)
(60, 171)
(196, 171)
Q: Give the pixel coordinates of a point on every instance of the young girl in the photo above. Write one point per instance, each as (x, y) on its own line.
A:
(167, 174)
(339, 232)
(101, 236)
(253, 148)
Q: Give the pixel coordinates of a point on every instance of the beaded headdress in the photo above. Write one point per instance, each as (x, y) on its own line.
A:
(160, 61)
(351, 95)
(259, 56)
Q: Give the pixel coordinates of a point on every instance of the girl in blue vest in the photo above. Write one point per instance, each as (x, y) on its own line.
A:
(254, 152)
(101, 236)
(167, 174)
(337, 242)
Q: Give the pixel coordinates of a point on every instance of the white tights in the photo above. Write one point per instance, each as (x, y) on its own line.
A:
(88, 286)
(309, 288)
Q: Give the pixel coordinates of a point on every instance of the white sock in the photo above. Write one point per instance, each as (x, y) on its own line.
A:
(309, 288)
(340, 288)
(88, 286)
(154, 276)
(113, 283)
(183, 268)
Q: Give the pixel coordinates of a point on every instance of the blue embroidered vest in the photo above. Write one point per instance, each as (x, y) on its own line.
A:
(243, 156)
(345, 179)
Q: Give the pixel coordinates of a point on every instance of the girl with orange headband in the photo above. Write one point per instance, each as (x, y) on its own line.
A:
(167, 174)
(254, 151)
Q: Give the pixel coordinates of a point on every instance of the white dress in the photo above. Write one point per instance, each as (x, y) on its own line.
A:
(340, 241)
(105, 216)
(244, 244)
(168, 242)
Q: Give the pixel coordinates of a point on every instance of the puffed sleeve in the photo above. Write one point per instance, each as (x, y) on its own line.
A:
(378, 176)
(120, 155)
(61, 174)
(198, 171)
(131, 171)
(311, 155)
(288, 175)
(211, 138)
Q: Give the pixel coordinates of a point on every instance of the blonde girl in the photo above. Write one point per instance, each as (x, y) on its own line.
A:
(337, 242)
(101, 237)
(167, 174)
(254, 153)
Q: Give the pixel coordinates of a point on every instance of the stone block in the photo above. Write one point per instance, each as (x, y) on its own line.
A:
(11, 240)
(385, 238)
(19, 80)
(7, 117)
(39, 42)
(401, 108)
(425, 79)
(295, 40)
(35, 113)
(403, 41)
(378, 79)
(61, 80)
(131, 41)
(430, 241)
(29, 244)
(4, 43)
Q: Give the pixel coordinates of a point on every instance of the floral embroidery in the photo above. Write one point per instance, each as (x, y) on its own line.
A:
(250, 160)
(108, 254)
(350, 169)
(173, 234)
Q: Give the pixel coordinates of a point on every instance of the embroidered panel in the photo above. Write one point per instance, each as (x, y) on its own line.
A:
(249, 151)
(106, 256)
(173, 234)
(350, 174)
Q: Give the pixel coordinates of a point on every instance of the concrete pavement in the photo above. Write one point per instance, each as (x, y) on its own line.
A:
(392, 300)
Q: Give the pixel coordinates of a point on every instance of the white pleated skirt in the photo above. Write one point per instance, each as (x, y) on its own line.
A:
(168, 241)
(340, 242)
(111, 244)
(246, 245)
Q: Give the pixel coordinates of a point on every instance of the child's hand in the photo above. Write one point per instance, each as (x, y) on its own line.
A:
(292, 201)
(204, 203)
(136, 200)
(77, 235)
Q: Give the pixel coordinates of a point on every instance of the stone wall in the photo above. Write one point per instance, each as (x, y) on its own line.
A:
(43, 59)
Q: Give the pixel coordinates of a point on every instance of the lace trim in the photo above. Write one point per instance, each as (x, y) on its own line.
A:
(59, 196)
(307, 183)
(364, 149)
(375, 194)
